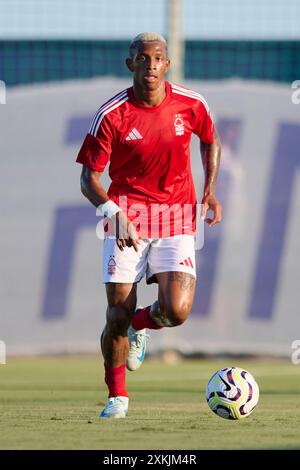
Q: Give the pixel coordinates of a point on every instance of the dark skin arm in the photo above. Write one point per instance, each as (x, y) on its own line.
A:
(211, 155)
(93, 190)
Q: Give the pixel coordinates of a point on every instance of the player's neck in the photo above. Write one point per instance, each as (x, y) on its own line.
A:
(149, 97)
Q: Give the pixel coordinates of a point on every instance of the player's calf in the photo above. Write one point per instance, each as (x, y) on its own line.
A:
(171, 315)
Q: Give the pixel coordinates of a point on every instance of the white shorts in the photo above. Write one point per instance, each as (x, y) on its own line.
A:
(155, 255)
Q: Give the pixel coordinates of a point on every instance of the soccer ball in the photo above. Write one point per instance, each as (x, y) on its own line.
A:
(232, 393)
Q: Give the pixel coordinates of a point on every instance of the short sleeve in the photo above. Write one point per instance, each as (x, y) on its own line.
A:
(204, 126)
(96, 149)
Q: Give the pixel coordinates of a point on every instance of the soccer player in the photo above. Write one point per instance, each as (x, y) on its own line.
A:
(144, 132)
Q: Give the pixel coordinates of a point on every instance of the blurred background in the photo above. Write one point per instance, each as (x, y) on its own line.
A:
(53, 40)
(60, 60)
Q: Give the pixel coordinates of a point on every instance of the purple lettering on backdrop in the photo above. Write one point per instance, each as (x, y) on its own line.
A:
(207, 258)
(68, 221)
(286, 162)
(77, 128)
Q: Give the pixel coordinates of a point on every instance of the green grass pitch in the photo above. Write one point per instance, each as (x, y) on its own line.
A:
(53, 403)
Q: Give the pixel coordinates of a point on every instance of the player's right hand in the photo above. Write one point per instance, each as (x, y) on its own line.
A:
(126, 233)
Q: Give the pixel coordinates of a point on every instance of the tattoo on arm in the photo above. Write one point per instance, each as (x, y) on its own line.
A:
(211, 155)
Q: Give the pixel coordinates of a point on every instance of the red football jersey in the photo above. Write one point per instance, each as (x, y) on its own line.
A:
(149, 156)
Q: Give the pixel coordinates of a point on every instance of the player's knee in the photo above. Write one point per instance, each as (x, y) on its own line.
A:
(118, 319)
(177, 314)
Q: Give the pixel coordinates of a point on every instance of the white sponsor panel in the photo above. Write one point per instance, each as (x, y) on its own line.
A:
(52, 298)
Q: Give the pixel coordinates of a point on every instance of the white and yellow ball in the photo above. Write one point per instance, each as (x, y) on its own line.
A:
(232, 393)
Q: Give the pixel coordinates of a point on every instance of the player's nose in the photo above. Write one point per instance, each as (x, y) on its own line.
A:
(151, 64)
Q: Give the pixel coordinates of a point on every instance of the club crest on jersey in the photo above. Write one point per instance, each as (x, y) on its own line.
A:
(111, 265)
(179, 125)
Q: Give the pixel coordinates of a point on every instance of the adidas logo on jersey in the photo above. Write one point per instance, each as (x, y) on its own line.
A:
(134, 135)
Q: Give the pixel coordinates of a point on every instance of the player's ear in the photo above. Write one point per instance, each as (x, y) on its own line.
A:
(129, 64)
(168, 63)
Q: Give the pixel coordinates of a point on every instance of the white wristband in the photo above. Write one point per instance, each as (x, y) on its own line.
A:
(108, 209)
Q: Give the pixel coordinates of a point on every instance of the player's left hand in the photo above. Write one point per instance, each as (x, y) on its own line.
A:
(210, 202)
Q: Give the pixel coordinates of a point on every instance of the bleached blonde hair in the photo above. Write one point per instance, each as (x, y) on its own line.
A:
(146, 37)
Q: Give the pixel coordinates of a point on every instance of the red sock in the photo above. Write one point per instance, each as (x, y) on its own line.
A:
(143, 320)
(115, 379)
